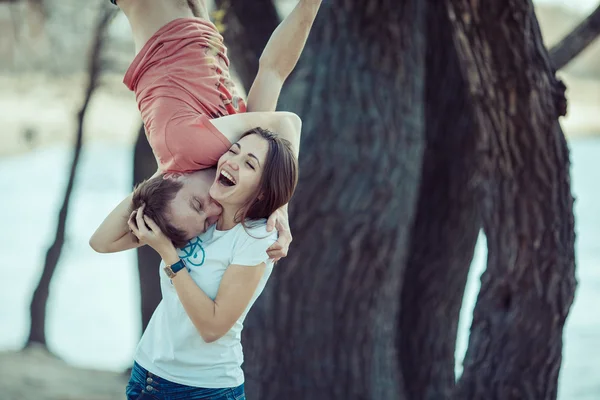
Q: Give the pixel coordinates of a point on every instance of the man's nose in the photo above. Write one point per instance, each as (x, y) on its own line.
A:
(214, 208)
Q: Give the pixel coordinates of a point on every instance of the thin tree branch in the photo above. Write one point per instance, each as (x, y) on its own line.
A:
(576, 41)
(42, 291)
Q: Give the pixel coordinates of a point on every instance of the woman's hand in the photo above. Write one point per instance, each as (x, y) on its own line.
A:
(279, 220)
(147, 232)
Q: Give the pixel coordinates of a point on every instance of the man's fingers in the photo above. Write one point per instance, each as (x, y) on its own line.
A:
(271, 221)
(274, 253)
(278, 252)
(282, 227)
(275, 246)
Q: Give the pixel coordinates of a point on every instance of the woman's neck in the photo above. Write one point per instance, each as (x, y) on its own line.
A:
(227, 220)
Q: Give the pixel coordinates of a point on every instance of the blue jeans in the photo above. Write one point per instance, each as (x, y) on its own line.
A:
(144, 385)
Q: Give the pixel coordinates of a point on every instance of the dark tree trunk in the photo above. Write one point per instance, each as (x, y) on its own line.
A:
(37, 330)
(144, 165)
(447, 222)
(248, 26)
(326, 326)
(515, 346)
(576, 41)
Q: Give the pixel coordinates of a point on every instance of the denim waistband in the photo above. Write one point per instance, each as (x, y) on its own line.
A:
(140, 374)
(158, 386)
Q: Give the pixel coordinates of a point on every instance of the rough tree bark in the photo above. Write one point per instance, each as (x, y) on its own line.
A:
(515, 346)
(144, 165)
(42, 291)
(326, 325)
(248, 26)
(576, 41)
(447, 222)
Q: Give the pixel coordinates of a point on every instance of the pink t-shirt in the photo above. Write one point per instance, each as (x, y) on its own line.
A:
(181, 81)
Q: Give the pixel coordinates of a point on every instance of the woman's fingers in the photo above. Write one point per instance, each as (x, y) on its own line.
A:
(133, 227)
(139, 217)
(152, 225)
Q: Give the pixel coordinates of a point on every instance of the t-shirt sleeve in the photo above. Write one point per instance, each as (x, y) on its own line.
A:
(252, 249)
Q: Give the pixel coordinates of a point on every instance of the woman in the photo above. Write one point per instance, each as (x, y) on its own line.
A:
(190, 111)
(191, 348)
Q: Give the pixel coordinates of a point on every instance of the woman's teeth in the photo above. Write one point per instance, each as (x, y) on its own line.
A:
(227, 178)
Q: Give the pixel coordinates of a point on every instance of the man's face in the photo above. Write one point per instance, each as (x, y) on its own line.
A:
(192, 209)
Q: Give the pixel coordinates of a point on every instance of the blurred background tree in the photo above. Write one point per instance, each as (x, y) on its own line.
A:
(37, 330)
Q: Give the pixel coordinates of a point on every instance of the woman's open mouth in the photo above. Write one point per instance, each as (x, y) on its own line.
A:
(226, 179)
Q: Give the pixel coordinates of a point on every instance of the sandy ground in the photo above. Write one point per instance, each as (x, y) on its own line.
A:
(33, 375)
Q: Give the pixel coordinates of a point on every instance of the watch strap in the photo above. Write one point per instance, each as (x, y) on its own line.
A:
(178, 266)
(171, 270)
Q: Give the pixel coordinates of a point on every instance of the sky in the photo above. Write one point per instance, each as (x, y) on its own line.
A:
(582, 6)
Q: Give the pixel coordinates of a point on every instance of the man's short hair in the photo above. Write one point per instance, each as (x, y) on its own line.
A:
(157, 193)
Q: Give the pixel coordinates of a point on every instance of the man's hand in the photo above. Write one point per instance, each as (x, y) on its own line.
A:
(279, 220)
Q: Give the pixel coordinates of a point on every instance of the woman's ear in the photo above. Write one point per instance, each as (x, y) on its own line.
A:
(261, 197)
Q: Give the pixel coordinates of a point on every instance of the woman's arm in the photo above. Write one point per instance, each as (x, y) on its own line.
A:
(280, 55)
(212, 318)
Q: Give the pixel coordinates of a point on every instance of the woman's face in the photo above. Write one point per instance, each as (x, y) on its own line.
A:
(239, 171)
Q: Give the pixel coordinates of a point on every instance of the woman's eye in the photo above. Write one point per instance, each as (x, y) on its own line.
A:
(231, 151)
(250, 165)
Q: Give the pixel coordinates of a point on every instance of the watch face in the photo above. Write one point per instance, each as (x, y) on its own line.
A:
(169, 272)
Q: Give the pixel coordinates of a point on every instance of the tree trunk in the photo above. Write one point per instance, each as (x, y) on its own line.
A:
(144, 165)
(447, 222)
(37, 330)
(576, 41)
(515, 346)
(325, 327)
(248, 27)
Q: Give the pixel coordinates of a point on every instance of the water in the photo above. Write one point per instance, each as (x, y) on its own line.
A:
(93, 317)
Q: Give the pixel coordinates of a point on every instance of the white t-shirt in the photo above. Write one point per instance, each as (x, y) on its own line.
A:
(171, 347)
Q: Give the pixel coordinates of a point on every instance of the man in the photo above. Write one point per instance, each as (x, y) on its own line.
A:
(192, 113)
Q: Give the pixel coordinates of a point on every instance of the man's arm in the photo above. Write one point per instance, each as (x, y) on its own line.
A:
(281, 55)
(113, 235)
(285, 124)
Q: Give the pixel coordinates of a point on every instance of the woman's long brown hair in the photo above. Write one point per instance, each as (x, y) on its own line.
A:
(278, 181)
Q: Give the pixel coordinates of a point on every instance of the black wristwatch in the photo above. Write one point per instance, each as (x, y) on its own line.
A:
(173, 269)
